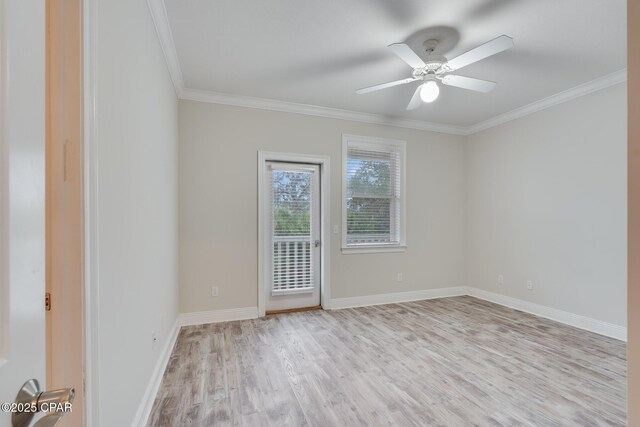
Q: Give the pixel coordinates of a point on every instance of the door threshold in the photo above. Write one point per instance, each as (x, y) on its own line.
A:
(294, 310)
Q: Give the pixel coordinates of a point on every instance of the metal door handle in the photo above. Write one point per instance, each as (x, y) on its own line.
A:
(32, 399)
(316, 243)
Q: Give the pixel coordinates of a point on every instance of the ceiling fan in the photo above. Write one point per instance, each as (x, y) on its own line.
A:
(437, 68)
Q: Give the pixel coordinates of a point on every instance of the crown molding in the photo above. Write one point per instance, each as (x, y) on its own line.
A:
(559, 98)
(314, 110)
(334, 113)
(163, 30)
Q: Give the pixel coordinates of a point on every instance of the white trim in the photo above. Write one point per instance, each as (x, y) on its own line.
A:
(369, 141)
(307, 290)
(382, 249)
(4, 193)
(314, 110)
(325, 221)
(90, 187)
(216, 316)
(559, 98)
(334, 113)
(146, 404)
(397, 297)
(571, 319)
(163, 29)
(578, 321)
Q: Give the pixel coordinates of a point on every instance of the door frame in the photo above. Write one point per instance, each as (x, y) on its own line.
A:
(90, 194)
(4, 194)
(64, 201)
(325, 219)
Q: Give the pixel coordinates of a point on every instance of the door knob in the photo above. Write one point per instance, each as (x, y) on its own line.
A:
(316, 243)
(32, 399)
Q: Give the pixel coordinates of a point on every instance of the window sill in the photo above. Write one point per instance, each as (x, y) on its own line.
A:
(374, 249)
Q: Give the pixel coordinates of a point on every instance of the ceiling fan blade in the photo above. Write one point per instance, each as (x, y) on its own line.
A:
(405, 53)
(415, 99)
(385, 85)
(468, 83)
(483, 51)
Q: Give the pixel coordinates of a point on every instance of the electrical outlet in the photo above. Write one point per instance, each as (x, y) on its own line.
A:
(530, 285)
(154, 339)
(214, 291)
(500, 279)
(400, 278)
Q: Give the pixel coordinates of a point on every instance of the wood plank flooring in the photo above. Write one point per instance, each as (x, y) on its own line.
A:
(452, 362)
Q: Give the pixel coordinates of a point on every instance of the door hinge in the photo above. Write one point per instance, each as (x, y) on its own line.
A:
(47, 301)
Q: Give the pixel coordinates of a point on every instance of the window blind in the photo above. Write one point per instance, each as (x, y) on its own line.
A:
(291, 200)
(373, 199)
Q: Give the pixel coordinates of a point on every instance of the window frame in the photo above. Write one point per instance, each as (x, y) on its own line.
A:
(375, 143)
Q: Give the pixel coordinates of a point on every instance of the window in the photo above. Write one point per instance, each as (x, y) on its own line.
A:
(373, 194)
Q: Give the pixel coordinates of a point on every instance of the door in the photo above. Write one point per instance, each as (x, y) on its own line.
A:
(294, 236)
(22, 196)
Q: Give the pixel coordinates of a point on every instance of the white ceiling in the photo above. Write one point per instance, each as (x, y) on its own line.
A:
(319, 52)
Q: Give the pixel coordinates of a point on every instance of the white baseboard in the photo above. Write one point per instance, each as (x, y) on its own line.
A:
(144, 410)
(337, 303)
(215, 316)
(571, 319)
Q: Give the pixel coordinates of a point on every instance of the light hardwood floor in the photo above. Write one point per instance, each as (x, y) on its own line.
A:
(452, 361)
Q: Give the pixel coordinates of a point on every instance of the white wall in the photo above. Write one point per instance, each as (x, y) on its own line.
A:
(219, 213)
(547, 202)
(137, 151)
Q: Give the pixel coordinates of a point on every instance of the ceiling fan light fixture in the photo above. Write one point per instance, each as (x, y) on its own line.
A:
(437, 67)
(429, 91)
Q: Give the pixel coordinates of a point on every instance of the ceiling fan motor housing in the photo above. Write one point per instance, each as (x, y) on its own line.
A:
(433, 66)
(434, 62)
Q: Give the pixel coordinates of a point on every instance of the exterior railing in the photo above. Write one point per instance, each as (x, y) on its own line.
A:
(292, 264)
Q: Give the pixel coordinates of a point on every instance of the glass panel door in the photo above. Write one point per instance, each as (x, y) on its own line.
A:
(294, 244)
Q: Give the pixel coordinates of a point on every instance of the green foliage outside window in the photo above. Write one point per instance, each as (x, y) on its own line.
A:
(292, 200)
(369, 192)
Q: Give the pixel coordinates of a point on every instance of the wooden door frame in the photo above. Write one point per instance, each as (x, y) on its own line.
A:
(325, 222)
(64, 202)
